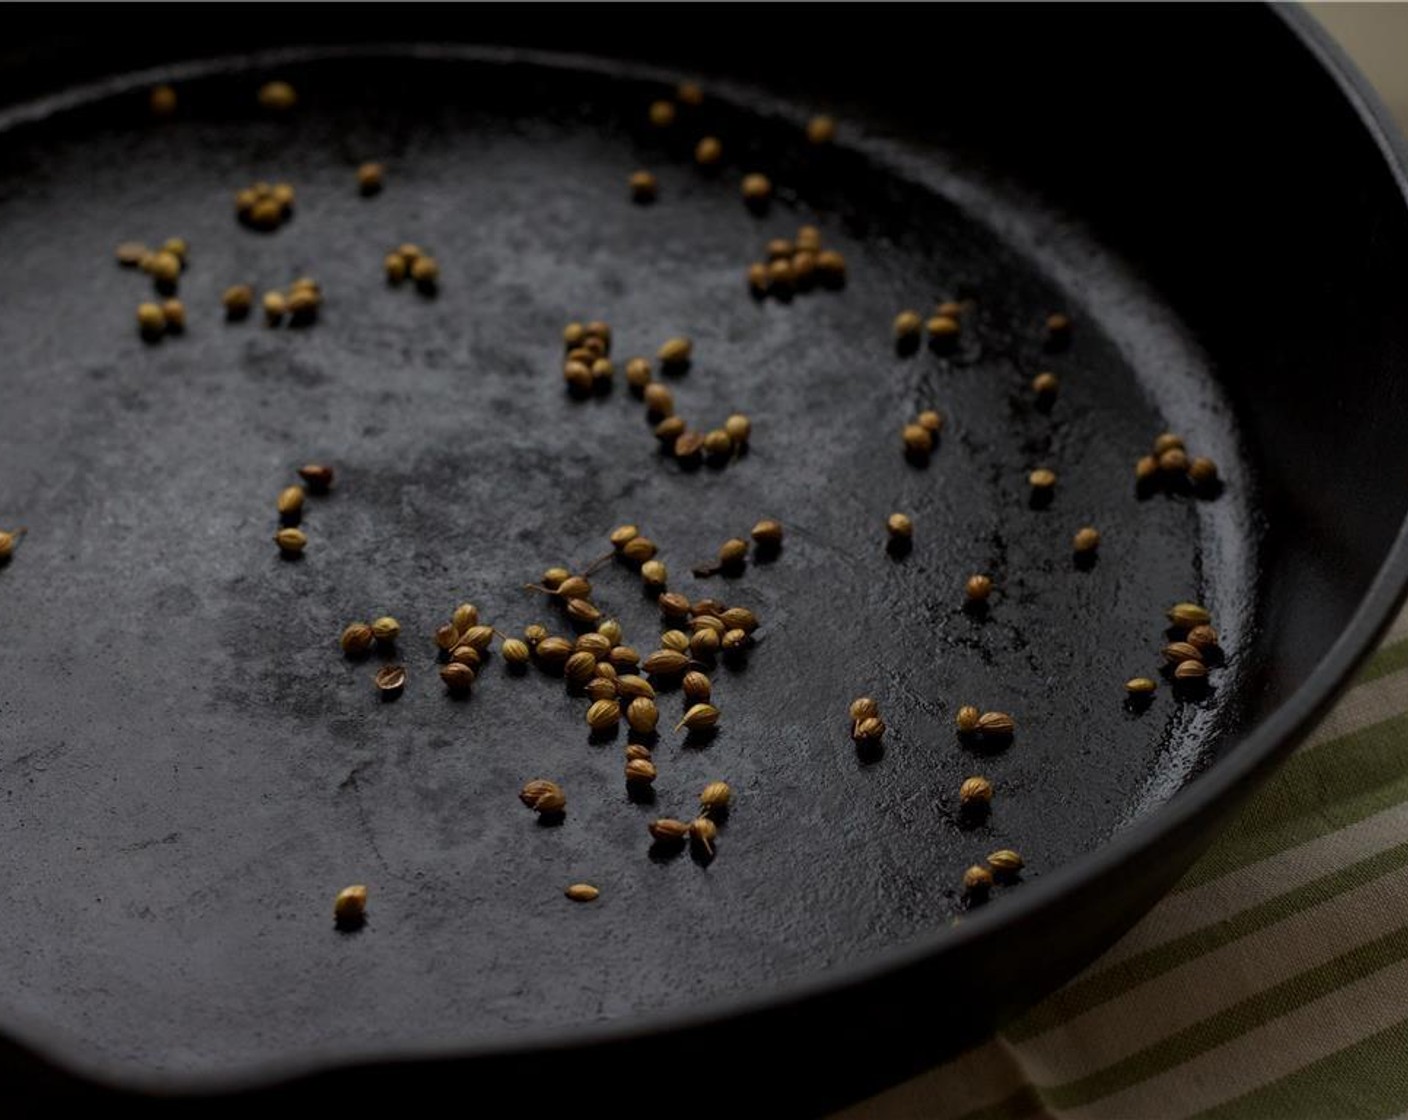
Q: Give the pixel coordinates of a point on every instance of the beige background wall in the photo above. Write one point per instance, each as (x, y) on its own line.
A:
(1376, 37)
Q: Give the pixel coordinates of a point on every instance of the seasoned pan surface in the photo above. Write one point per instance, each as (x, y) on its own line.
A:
(191, 767)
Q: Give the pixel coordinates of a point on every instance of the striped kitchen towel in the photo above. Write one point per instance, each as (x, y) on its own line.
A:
(1272, 982)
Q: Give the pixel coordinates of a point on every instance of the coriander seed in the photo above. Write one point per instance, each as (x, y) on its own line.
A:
(696, 687)
(174, 312)
(610, 629)
(1140, 686)
(598, 645)
(653, 573)
(633, 687)
(675, 351)
(543, 796)
(779, 248)
(669, 430)
(478, 637)
(467, 655)
(1167, 442)
(930, 420)
(275, 307)
(707, 622)
(699, 717)
(714, 798)
(659, 401)
(831, 267)
(977, 881)
(638, 374)
(425, 271)
(582, 892)
(717, 443)
(641, 770)
(757, 189)
(758, 277)
(237, 301)
(1203, 637)
(534, 633)
(370, 178)
(704, 833)
(606, 671)
(1044, 385)
(553, 650)
(1058, 326)
(1146, 468)
(162, 101)
(740, 618)
(1202, 471)
(1190, 671)
(732, 552)
(781, 275)
(291, 542)
(975, 791)
(821, 129)
(1176, 652)
(689, 93)
(1189, 615)
(978, 588)
(689, 446)
(356, 639)
(642, 715)
(667, 831)
(662, 113)
(967, 719)
(1086, 540)
(580, 667)
(290, 501)
(708, 151)
(603, 715)
(278, 96)
(868, 731)
(863, 708)
(390, 680)
(395, 266)
(1005, 862)
(574, 587)
(349, 908)
(673, 604)
(644, 186)
(639, 550)
(1042, 481)
(386, 629)
(809, 238)
(583, 611)
(131, 253)
(553, 578)
(705, 644)
(918, 440)
(739, 428)
(942, 329)
(458, 678)
(899, 526)
(675, 640)
(150, 320)
(1174, 461)
(767, 533)
(996, 724)
(638, 750)
(7, 544)
(447, 637)
(515, 651)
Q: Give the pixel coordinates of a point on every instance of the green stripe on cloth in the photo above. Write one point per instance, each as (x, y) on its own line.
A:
(1234, 1022)
(1316, 793)
(1092, 990)
(1368, 1079)
(1386, 660)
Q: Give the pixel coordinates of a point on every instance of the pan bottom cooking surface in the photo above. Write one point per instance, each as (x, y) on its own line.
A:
(191, 767)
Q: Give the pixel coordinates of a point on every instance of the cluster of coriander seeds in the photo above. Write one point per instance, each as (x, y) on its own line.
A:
(264, 206)
(463, 643)
(796, 266)
(993, 728)
(573, 592)
(920, 436)
(291, 539)
(410, 262)
(867, 728)
(944, 327)
(359, 638)
(669, 835)
(587, 367)
(1191, 650)
(167, 316)
(1001, 866)
(663, 112)
(297, 305)
(1169, 466)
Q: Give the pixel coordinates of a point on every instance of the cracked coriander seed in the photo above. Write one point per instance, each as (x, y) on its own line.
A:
(715, 797)
(998, 724)
(603, 715)
(917, 440)
(696, 687)
(349, 908)
(291, 542)
(1189, 615)
(967, 719)
(708, 151)
(644, 186)
(975, 791)
(699, 717)
(390, 680)
(1140, 686)
(899, 526)
(704, 832)
(641, 770)
(582, 892)
(668, 831)
(978, 588)
(553, 650)
(356, 639)
(290, 501)
(1086, 540)
(457, 677)
(642, 714)
(543, 796)
(977, 881)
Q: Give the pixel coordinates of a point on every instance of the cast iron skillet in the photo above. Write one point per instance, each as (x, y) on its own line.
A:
(192, 770)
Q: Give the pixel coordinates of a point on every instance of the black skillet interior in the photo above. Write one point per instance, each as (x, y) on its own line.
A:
(191, 767)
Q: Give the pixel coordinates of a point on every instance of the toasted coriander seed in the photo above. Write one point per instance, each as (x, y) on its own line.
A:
(978, 588)
(641, 770)
(1189, 615)
(821, 129)
(464, 616)
(1045, 385)
(998, 724)
(871, 729)
(291, 542)
(1042, 480)
(967, 719)
(733, 551)
(1087, 539)
(1174, 461)
(668, 831)
(1140, 686)
(598, 645)
(467, 655)
(642, 714)
(699, 717)
(644, 186)
(756, 188)
(977, 880)
(653, 573)
(863, 708)
(1167, 442)
(917, 440)
(390, 680)
(1202, 471)
(279, 96)
(349, 908)
(662, 113)
(1177, 652)
(582, 892)
(708, 151)
(580, 667)
(715, 797)
(515, 651)
(447, 637)
(675, 351)
(275, 307)
(696, 687)
(575, 587)
(675, 640)
(705, 643)
(533, 634)
(943, 329)
(553, 650)
(478, 637)
(370, 177)
(1190, 671)
(603, 715)
(900, 526)
(740, 618)
(610, 629)
(543, 796)
(386, 629)
(606, 671)
(717, 443)
(633, 687)
(659, 401)
(1146, 468)
(704, 832)
(356, 639)
(673, 604)
(975, 791)
(150, 319)
(638, 550)
(707, 622)
(1204, 637)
